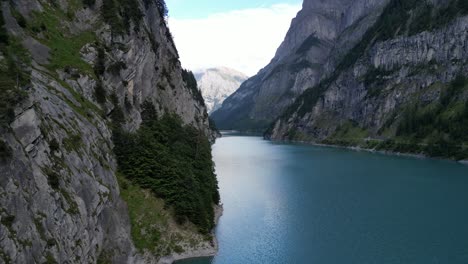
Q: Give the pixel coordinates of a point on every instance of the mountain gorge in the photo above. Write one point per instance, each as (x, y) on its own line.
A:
(216, 84)
(79, 81)
(300, 61)
(390, 76)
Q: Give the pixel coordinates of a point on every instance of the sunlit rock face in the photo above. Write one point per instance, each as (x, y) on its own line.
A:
(216, 84)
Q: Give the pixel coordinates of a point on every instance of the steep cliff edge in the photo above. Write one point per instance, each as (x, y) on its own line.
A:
(403, 87)
(68, 70)
(320, 29)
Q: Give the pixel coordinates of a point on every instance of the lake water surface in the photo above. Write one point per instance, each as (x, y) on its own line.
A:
(286, 203)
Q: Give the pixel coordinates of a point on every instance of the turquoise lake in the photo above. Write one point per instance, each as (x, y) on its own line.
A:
(286, 203)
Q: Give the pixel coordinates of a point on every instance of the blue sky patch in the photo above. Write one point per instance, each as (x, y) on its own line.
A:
(194, 9)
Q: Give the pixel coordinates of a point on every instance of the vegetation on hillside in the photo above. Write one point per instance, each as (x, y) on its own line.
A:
(191, 83)
(440, 125)
(174, 161)
(47, 27)
(121, 14)
(14, 77)
(437, 129)
(153, 227)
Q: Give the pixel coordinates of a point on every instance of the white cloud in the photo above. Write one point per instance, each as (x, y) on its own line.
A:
(245, 40)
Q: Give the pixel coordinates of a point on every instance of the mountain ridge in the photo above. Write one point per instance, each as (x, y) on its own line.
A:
(218, 83)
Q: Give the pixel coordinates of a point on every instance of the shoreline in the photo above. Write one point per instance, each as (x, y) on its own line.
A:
(383, 152)
(198, 253)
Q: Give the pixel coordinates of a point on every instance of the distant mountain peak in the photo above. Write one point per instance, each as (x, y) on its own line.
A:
(217, 84)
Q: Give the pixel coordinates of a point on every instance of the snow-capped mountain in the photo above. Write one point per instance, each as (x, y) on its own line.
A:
(217, 84)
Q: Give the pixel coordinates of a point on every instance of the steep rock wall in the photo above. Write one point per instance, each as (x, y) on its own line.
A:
(405, 83)
(59, 196)
(320, 30)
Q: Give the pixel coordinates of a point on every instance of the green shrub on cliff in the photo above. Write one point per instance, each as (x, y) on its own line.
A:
(174, 161)
(191, 83)
(120, 14)
(13, 74)
(5, 151)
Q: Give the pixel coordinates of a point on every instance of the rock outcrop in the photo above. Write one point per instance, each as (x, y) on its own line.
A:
(59, 195)
(216, 84)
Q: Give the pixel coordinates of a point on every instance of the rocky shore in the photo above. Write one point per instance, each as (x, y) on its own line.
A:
(203, 250)
(385, 152)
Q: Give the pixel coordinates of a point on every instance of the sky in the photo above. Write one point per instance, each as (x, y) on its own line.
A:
(240, 34)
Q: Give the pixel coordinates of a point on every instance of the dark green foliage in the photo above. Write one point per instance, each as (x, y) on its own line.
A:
(89, 3)
(5, 151)
(100, 93)
(51, 242)
(14, 74)
(117, 115)
(390, 22)
(131, 12)
(428, 17)
(191, 82)
(73, 142)
(99, 70)
(119, 14)
(154, 44)
(110, 15)
(463, 6)
(3, 31)
(53, 178)
(213, 126)
(374, 79)
(375, 76)
(50, 259)
(311, 41)
(443, 125)
(298, 66)
(116, 67)
(54, 145)
(174, 161)
(395, 19)
(308, 98)
(453, 90)
(440, 146)
(20, 19)
(100, 65)
(8, 221)
(423, 19)
(104, 258)
(128, 105)
(149, 112)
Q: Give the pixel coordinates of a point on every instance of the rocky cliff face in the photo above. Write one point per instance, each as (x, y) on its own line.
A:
(322, 29)
(217, 84)
(59, 196)
(404, 80)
